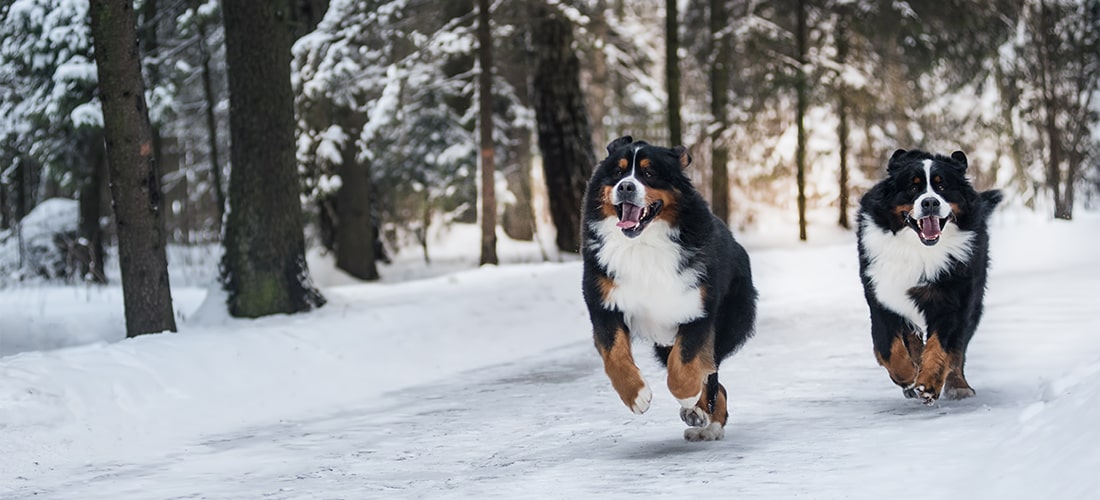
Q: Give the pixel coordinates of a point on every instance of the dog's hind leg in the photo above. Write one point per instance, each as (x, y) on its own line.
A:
(713, 402)
(691, 365)
(956, 386)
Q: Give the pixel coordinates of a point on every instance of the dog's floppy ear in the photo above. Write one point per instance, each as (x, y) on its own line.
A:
(682, 153)
(893, 163)
(618, 143)
(959, 157)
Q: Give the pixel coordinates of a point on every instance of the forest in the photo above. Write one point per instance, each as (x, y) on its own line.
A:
(267, 128)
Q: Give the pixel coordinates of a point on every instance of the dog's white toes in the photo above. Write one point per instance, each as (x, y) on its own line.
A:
(694, 417)
(641, 401)
(712, 432)
(926, 394)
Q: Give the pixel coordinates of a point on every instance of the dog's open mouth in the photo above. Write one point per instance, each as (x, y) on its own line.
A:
(633, 218)
(928, 228)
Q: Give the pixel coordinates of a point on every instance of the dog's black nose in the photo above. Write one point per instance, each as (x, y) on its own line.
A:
(626, 187)
(930, 204)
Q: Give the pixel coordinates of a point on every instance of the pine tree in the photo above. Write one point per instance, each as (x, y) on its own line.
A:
(264, 267)
(135, 180)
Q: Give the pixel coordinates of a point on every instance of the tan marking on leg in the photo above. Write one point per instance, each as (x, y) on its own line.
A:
(934, 365)
(721, 411)
(618, 363)
(606, 286)
(901, 367)
(956, 386)
(687, 378)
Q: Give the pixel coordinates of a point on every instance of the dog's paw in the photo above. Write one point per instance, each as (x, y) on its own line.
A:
(909, 392)
(927, 394)
(641, 401)
(958, 393)
(712, 432)
(694, 417)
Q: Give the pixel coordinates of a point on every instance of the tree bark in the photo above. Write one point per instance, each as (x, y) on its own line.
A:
(135, 180)
(564, 135)
(719, 92)
(91, 184)
(354, 228)
(800, 84)
(485, 124)
(842, 114)
(264, 267)
(1047, 45)
(211, 125)
(672, 72)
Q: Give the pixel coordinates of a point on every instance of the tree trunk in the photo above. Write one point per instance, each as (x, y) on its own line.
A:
(485, 124)
(91, 184)
(719, 92)
(800, 156)
(1047, 45)
(565, 138)
(211, 125)
(842, 114)
(264, 267)
(135, 180)
(600, 81)
(672, 72)
(354, 229)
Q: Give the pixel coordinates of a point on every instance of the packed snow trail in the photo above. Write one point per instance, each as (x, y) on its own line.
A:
(812, 415)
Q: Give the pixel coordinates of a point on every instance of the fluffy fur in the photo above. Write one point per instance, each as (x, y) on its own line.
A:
(660, 267)
(924, 255)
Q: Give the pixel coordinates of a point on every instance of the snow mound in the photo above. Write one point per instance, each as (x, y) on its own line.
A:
(48, 248)
(1051, 451)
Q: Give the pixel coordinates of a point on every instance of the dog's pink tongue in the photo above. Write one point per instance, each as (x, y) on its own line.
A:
(930, 228)
(631, 215)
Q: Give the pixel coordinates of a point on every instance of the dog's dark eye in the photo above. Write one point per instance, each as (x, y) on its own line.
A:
(648, 174)
(938, 187)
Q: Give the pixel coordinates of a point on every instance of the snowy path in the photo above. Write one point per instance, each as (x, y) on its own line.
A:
(812, 415)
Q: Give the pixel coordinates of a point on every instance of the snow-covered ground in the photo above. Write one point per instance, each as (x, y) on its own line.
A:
(484, 383)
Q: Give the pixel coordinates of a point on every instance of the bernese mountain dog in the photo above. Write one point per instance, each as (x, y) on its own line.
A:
(659, 266)
(923, 258)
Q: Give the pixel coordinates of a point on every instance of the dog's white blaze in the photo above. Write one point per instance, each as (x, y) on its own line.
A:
(639, 189)
(944, 209)
(899, 262)
(654, 295)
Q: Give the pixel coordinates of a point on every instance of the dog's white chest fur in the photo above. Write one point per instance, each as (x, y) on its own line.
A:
(653, 293)
(899, 262)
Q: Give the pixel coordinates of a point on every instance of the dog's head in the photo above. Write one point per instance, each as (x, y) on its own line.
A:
(927, 192)
(638, 183)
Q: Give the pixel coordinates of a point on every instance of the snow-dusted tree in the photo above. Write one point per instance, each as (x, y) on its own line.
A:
(485, 132)
(51, 141)
(264, 266)
(1058, 84)
(135, 182)
(387, 91)
(565, 138)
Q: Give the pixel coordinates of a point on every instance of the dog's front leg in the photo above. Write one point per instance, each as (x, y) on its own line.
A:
(613, 342)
